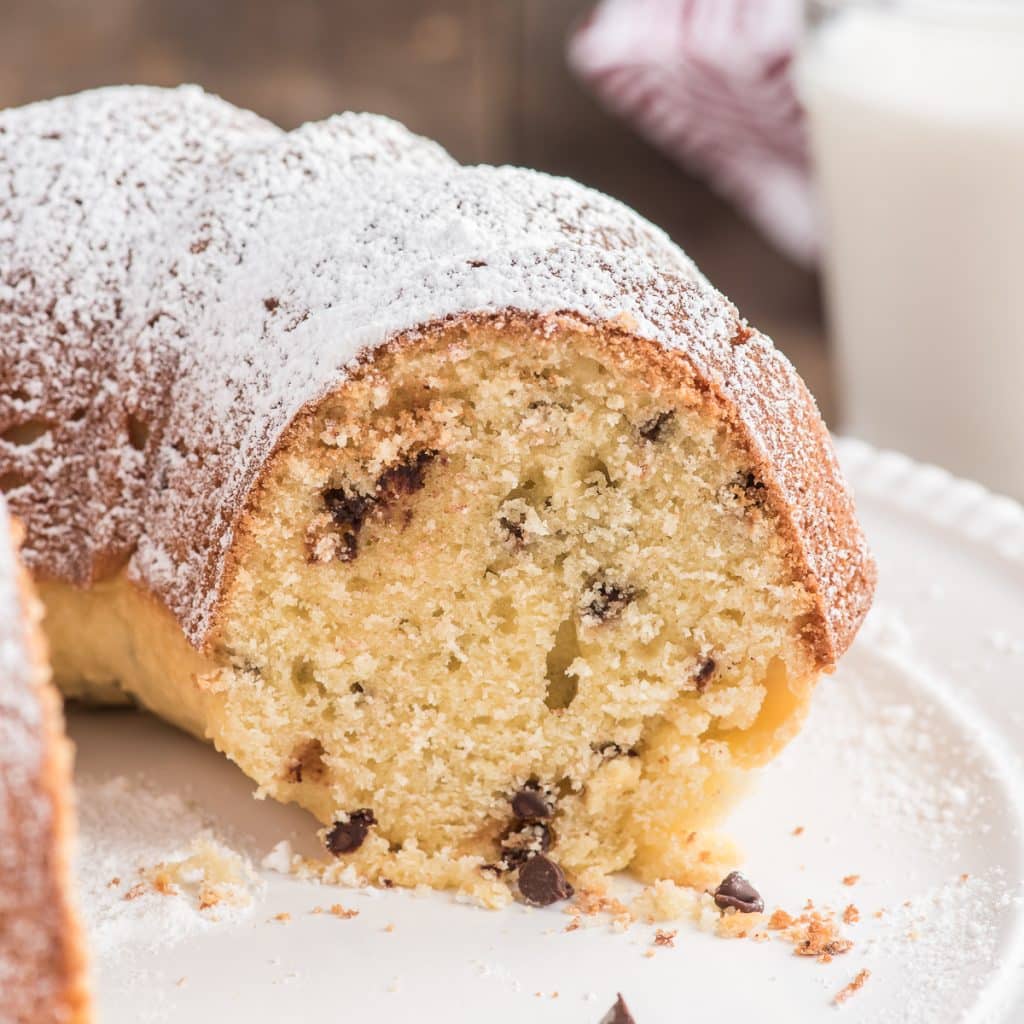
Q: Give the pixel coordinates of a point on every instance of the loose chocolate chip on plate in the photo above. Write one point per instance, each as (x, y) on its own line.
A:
(619, 1013)
(542, 882)
(530, 803)
(347, 836)
(735, 891)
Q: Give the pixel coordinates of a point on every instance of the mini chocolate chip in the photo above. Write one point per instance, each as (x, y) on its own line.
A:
(652, 429)
(271, 303)
(521, 843)
(704, 673)
(348, 512)
(619, 1013)
(405, 478)
(347, 836)
(603, 600)
(542, 882)
(609, 750)
(735, 891)
(530, 803)
(513, 530)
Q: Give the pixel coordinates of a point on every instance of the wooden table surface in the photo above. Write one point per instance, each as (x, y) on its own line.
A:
(487, 78)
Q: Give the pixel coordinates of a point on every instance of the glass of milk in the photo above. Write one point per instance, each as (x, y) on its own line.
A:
(916, 115)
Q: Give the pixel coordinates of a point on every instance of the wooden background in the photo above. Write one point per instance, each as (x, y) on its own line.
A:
(487, 78)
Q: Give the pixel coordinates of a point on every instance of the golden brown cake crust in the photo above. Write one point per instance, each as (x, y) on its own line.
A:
(266, 276)
(42, 957)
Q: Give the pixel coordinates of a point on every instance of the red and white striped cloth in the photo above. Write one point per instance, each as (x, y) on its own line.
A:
(709, 82)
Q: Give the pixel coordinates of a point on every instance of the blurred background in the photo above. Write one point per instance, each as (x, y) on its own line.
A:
(489, 79)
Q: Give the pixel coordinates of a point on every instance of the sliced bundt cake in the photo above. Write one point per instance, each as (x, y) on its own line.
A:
(42, 966)
(451, 503)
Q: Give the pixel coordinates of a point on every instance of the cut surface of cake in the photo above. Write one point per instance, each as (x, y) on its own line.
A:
(42, 963)
(452, 503)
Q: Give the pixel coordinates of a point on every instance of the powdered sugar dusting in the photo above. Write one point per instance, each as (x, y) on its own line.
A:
(20, 717)
(26, 812)
(921, 817)
(126, 829)
(215, 275)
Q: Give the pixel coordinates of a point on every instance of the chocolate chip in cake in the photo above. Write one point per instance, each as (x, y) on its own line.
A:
(271, 303)
(348, 511)
(604, 600)
(513, 530)
(307, 762)
(347, 836)
(735, 891)
(542, 882)
(609, 750)
(530, 803)
(653, 429)
(405, 478)
(745, 490)
(703, 675)
(752, 489)
(527, 840)
(619, 1013)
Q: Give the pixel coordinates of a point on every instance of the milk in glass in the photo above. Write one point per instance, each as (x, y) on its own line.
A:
(916, 114)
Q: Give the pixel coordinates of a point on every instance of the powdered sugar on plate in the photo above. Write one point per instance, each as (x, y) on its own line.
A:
(920, 818)
(144, 856)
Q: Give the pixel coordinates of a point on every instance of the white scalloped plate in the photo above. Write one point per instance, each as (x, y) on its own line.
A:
(906, 775)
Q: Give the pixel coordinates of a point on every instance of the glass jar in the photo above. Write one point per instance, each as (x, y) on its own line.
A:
(916, 120)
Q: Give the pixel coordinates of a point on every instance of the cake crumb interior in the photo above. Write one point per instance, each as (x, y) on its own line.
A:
(478, 568)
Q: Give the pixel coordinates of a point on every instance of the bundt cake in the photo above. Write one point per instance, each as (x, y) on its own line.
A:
(42, 966)
(452, 503)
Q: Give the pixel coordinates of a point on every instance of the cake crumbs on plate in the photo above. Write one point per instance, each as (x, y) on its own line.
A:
(799, 830)
(284, 917)
(851, 915)
(851, 879)
(854, 986)
(662, 937)
(820, 938)
(593, 899)
(209, 871)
